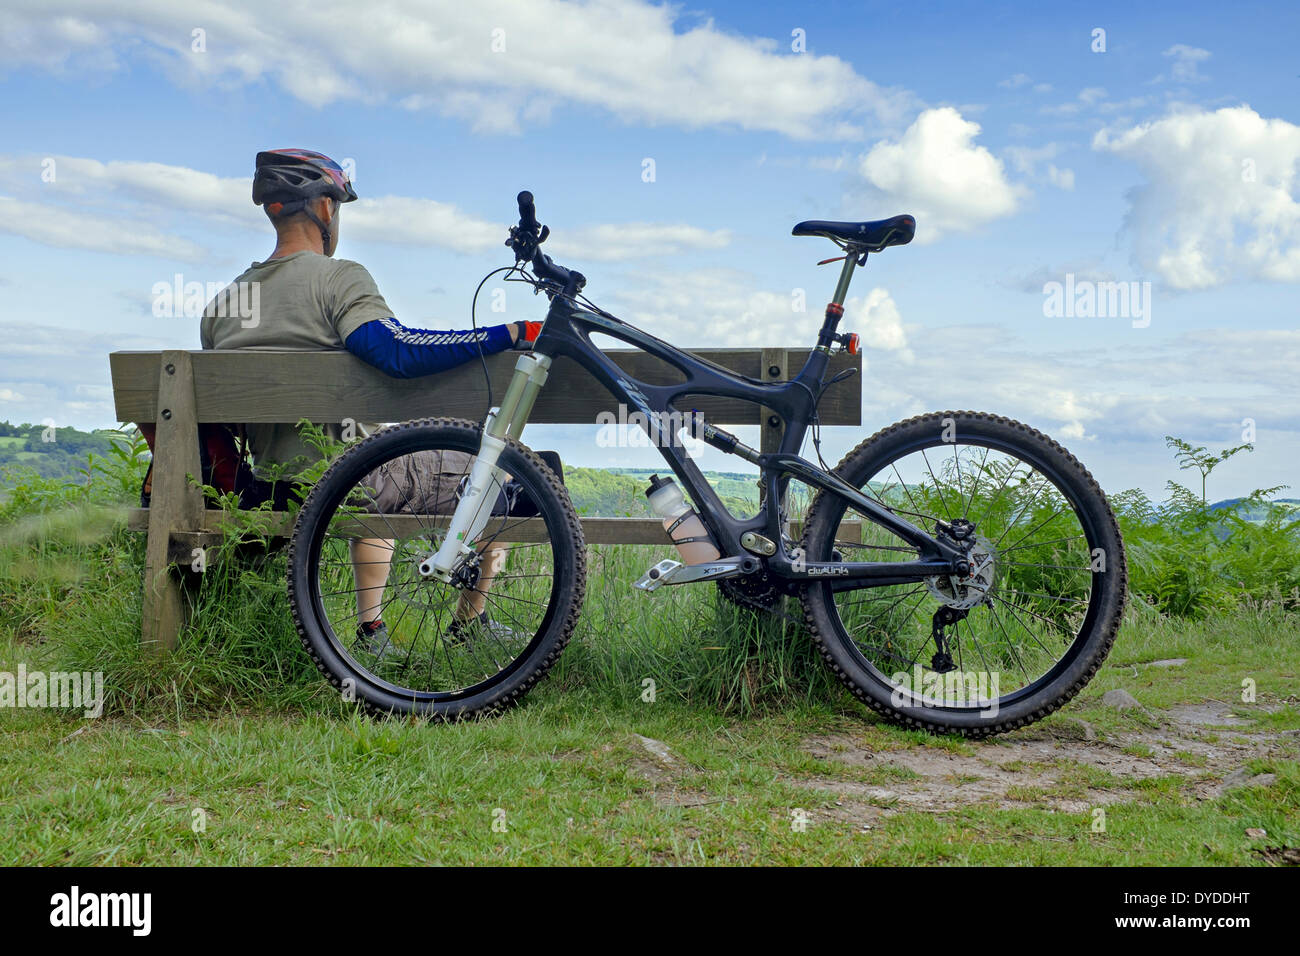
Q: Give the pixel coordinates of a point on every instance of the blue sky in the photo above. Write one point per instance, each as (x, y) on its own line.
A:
(1169, 158)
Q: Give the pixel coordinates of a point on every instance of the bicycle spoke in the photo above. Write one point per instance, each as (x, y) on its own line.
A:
(1010, 644)
(998, 497)
(1054, 567)
(956, 463)
(1028, 533)
(1012, 608)
(975, 485)
(907, 491)
(942, 500)
(1022, 510)
(900, 600)
(1048, 597)
(1041, 544)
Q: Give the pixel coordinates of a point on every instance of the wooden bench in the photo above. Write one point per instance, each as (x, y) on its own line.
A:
(179, 389)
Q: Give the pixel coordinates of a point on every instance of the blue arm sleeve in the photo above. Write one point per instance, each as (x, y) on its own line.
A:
(406, 353)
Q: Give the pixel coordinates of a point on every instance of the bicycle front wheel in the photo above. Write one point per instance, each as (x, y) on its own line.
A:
(443, 651)
(1017, 637)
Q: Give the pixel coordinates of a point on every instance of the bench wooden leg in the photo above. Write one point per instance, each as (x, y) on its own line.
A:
(175, 505)
(169, 596)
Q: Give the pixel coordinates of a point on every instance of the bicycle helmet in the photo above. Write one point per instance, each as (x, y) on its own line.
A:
(285, 181)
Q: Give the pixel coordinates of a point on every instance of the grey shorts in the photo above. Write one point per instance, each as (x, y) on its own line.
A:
(424, 482)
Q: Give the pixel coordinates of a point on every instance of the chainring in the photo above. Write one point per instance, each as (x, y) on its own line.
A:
(752, 592)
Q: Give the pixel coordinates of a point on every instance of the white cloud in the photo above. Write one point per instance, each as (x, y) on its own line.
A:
(1015, 81)
(832, 164)
(85, 183)
(936, 172)
(712, 307)
(1187, 60)
(48, 42)
(498, 63)
(122, 193)
(429, 222)
(1132, 103)
(1063, 109)
(420, 222)
(177, 186)
(1092, 97)
(877, 320)
(631, 240)
(1025, 159)
(1073, 430)
(1219, 201)
(74, 229)
(1060, 178)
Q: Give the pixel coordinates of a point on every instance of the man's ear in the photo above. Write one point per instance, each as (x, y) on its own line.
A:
(326, 209)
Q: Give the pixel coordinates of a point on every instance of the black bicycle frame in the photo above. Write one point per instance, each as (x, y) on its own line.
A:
(567, 332)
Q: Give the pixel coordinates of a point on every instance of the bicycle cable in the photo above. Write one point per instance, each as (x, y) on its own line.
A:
(473, 321)
(816, 421)
(528, 279)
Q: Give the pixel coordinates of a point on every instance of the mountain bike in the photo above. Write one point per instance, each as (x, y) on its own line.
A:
(959, 571)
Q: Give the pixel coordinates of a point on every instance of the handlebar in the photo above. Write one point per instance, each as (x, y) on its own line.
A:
(527, 211)
(524, 240)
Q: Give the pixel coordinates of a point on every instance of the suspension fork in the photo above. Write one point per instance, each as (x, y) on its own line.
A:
(485, 478)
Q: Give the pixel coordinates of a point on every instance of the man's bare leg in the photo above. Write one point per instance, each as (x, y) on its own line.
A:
(371, 558)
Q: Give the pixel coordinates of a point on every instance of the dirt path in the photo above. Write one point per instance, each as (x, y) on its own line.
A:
(1062, 767)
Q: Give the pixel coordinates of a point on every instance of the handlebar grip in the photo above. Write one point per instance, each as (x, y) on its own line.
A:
(527, 211)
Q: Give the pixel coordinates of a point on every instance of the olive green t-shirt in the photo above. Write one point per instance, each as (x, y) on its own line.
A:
(302, 302)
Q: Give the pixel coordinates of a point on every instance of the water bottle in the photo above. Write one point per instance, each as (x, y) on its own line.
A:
(681, 522)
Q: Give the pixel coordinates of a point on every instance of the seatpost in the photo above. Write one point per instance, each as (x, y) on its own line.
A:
(846, 274)
(835, 308)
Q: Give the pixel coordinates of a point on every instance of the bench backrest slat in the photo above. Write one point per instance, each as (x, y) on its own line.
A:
(255, 386)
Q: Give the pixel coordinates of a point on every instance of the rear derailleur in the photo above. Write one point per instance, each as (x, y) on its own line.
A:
(946, 616)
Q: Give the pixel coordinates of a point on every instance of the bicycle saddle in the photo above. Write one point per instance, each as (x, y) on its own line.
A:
(873, 236)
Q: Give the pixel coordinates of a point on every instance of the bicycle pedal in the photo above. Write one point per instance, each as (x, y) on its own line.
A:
(657, 575)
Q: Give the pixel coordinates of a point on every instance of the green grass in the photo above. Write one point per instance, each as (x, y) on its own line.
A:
(238, 726)
(238, 729)
(566, 772)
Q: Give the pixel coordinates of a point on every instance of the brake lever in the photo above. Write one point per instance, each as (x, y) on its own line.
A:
(524, 243)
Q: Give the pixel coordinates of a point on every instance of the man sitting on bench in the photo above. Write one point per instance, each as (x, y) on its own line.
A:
(309, 301)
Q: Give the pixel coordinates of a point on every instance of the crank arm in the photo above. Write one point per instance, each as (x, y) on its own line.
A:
(673, 572)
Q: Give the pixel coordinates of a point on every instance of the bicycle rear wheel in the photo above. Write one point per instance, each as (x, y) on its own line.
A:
(1020, 635)
(377, 512)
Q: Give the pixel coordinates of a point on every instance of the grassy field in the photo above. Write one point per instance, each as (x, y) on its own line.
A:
(234, 752)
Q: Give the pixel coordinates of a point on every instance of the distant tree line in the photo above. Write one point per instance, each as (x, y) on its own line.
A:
(52, 452)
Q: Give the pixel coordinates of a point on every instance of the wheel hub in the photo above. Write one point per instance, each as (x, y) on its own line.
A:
(966, 591)
(412, 588)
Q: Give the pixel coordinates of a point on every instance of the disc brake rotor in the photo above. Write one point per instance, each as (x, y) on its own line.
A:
(409, 587)
(966, 592)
